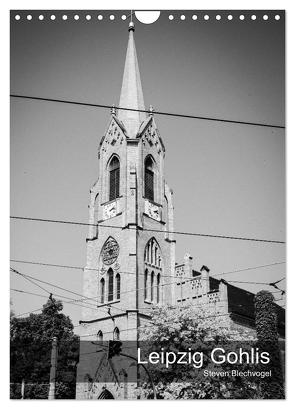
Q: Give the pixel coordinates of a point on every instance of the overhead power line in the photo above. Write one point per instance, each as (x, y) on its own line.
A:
(49, 292)
(254, 282)
(217, 236)
(28, 312)
(137, 290)
(73, 301)
(63, 289)
(61, 297)
(203, 118)
(71, 267)
(249, 268)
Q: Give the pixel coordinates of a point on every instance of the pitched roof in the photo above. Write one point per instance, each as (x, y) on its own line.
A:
(131, 91)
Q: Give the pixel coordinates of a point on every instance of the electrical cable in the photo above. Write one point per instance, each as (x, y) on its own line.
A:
(149, 230)
(113, 107)
(66, 266)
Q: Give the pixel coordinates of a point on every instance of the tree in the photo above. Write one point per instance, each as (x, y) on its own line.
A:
(199, 329)
(267, 334)
(30, 349)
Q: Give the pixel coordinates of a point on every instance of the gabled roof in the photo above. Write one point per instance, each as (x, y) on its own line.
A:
(144, 125)
(119, 123)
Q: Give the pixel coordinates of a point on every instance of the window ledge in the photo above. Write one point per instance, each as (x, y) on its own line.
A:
(152, 201)
(158, 221)
(111, 201)
(104, 220)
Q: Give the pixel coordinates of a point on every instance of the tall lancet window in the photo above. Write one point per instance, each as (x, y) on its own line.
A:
(101, 291)
(149, 178)
(152, 272)
(152, 286)
(114, 169)
(146, 273)
(110, 285)
(118, 286)
(158, 287)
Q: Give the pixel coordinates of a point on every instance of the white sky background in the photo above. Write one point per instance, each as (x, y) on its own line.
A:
(227, 179)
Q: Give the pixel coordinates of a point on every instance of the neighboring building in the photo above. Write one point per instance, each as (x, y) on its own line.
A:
(130, 246)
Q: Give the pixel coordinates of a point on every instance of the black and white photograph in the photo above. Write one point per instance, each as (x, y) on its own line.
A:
(147, 204)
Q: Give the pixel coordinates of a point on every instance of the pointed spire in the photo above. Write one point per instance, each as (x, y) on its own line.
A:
(131, 91)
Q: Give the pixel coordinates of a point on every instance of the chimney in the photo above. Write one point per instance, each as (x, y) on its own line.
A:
(205, 279)
(188, 265)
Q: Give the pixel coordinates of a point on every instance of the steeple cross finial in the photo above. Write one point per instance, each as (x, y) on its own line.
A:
(113, 110)
(131, 24)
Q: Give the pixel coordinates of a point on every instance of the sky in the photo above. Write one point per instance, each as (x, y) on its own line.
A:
(228, 179)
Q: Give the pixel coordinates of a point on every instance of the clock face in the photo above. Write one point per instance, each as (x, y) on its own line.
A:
(110, 251)
(110, 210)
(152, 210)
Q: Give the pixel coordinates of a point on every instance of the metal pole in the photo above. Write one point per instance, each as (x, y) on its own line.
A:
(51, 393)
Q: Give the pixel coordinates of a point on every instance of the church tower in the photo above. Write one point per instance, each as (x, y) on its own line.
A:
(130, 247)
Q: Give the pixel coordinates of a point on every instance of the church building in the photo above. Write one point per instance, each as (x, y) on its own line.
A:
(131, 264)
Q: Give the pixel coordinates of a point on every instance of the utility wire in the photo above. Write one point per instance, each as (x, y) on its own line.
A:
(204, 118)
(65, 289)
(73, 301)
(143, 289)
(130, 291)
(51, 293)
(28, 312)
(31, 281)
(149, 230)
(66, 266)
(253, 282)
(55, 294)
(249, 268)
(61, 297)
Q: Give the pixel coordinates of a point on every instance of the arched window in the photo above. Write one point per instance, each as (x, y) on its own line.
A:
(100, 336)
(152, 286)
(147, 253)
(149, 178)
(152, 280)
(152, 247)
(152, 253)
(118, 286)
(158, 287)
(114, 187)
(102, 287)
(110, 285)
(145, 284)
(116, 334)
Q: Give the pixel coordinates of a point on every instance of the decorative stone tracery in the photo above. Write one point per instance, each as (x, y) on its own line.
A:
(152, 272)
